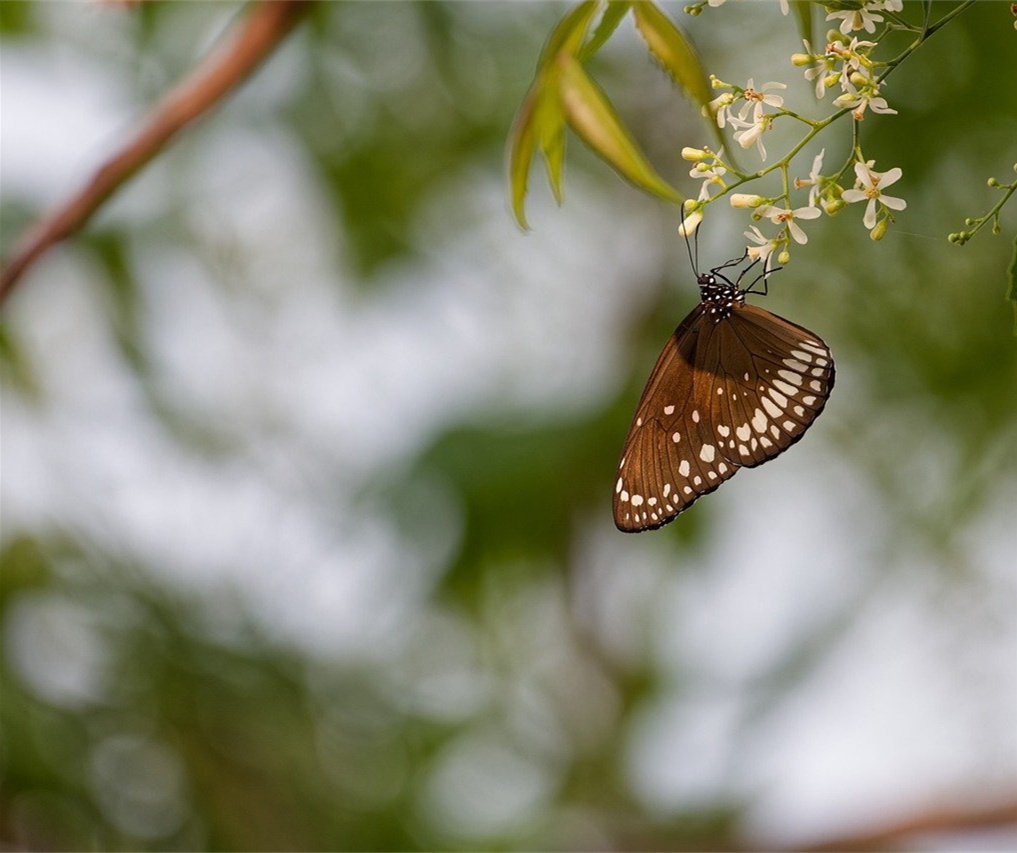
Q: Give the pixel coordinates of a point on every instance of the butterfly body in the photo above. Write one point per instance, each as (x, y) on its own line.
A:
(734, 386)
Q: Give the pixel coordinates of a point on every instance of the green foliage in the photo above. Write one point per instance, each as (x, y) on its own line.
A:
(563, 93)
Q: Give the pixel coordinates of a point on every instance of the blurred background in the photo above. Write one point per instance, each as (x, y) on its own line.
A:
(308, 455)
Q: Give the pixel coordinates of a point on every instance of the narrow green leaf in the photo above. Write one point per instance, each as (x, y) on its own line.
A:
(551, 132)
(616, 10)
(675, 52)
(591, 116)
(570, 32)
(540, 121)
(803, 15)
(522, 144)
(1011, 291)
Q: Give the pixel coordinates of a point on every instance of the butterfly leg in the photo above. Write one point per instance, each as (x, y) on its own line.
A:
(733, 262)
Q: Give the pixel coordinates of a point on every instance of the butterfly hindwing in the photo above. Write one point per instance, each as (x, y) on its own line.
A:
(791, 382)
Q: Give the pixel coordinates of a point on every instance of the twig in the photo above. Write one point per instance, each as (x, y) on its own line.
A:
(935, 821)
(264, 28)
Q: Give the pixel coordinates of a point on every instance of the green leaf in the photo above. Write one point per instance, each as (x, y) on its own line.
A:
(591, 116)
(616, 10)
(551, 130)
(570, 32)
(540, 120)
(522, 144)
(1011, 291)
(675, 52)
(803, 15)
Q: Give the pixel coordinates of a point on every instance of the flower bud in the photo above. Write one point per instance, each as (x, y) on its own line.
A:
(832, 206)
(831, 80)
(690, 223)
(694, 154)
(745, 200)
(783, 257)
(801, 59)
(835, 36)
(992, 182)
(691, 204)
(995, 227)
(858, 79)
(953, 238)
(694, 11)
(969, 221)
(879, 231)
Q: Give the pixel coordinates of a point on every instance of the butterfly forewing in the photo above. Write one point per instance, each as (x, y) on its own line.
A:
(723, 395)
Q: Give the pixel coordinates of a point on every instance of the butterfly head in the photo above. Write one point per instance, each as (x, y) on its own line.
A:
(719, 295)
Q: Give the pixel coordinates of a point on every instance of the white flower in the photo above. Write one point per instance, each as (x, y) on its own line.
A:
(892, 5)
(719, 107)
(764, 247)
(710, 175)
(871, 186)
(753, 134)
(784, 8)
(715, 3)
(818, 73)
(783, 216)
(813, 179)
(754, 99)
(859, 100)
(858, 19)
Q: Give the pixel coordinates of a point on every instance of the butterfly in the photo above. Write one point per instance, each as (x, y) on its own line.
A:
(734, 387)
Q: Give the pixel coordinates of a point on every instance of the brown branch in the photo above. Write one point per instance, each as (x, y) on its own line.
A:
(894, 836)
(264, 28)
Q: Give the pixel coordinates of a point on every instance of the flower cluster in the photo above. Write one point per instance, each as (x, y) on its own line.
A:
(752, 120)
(845, 63)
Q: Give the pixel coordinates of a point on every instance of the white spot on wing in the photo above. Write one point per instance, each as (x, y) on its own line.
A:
(801, 356)
(790, 376)
(725, 431)
(743, 432)
(815, 385)
(695, 415)
(683, 469)
(618, 485)
(707, 453)
(796, 365)
(637, 500)
(667, 489)
(790, 390)
(624, 497)
(778, 398)
(668, 410)
(759, 419)
(768, 404)
(676, 437)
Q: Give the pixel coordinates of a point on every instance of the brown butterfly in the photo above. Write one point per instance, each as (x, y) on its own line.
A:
(734, 387)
